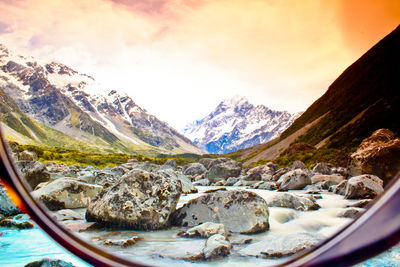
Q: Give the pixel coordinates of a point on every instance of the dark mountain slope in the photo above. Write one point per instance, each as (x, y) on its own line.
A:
(363, 99)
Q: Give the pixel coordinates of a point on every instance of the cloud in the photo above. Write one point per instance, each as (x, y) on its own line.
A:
(283, 54)
(5, 28)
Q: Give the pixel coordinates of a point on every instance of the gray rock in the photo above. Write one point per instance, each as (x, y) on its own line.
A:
(223, 171)
(209, 163)
(187, 185)
(264, 185)
(216, 247)
(34, 172)
(314, 188)
(288, 200)
(66, 193)
(351, 213)
(261, 172)
(119, 171)
(277, 246)
(298, 165)
(67, 214)
(140, 200)
(27, 155)
(279, 173)
(332, 179)
(194, 169)
(363, 186)
(119, 239)
(191, 250)
(49, 263)
(171, 163)
(56, 167)
(240, 211)
(239, 240)
(293, 180)
(204, 230)
(342, 171)
(231, 181)
(360, 204)
(323, 168)
(202, 182)
(340, 189)
(105, 178)
(14, 224)
(7, 207)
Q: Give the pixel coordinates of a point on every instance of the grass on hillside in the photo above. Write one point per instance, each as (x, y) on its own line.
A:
(99, 160)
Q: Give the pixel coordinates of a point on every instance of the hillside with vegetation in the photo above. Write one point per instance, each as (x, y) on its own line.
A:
(362, 99)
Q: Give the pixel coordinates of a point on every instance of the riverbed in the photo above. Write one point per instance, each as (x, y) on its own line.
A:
(164, 248)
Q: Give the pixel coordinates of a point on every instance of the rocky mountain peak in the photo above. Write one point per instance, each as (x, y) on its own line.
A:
(74, 103)
(236, 124)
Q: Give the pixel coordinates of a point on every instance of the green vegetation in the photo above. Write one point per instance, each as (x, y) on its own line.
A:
(337, 157)
(99, 160)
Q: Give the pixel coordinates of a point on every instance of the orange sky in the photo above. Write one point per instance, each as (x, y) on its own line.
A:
(174, 55)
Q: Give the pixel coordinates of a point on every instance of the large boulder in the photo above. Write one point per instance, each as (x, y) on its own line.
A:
(240, 211)
(223, 171)
(378, 154)
(194, 169)
(66, 193)
(209, 163)
(298, 165)
(288, 200)
(140, 200)
(7, 207)
(34, 172)
(295, 179)
(323, 168)
(263, 172)
(363, 186)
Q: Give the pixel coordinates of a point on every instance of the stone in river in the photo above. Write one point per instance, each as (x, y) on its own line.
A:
(204, 230)
(216, 247)
(282, 245)
(288, 200)
(293, 180)
(363, 186)
(140, 200)
(240, 211)
(66, 193)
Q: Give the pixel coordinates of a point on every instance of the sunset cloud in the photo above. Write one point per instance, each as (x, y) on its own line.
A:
(174, 55)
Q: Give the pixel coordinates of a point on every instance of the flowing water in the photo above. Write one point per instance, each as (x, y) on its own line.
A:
(18, 248)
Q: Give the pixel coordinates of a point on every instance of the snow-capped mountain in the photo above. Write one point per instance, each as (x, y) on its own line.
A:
(237, 124)
(73, 103)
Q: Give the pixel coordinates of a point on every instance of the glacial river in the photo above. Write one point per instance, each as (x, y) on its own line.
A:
(18, 248)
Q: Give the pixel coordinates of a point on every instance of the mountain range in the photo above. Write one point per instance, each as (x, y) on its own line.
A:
(363, 99)
(237, 124)
(49, 103)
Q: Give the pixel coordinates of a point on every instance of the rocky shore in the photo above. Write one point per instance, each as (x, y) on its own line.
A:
(214, 209)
